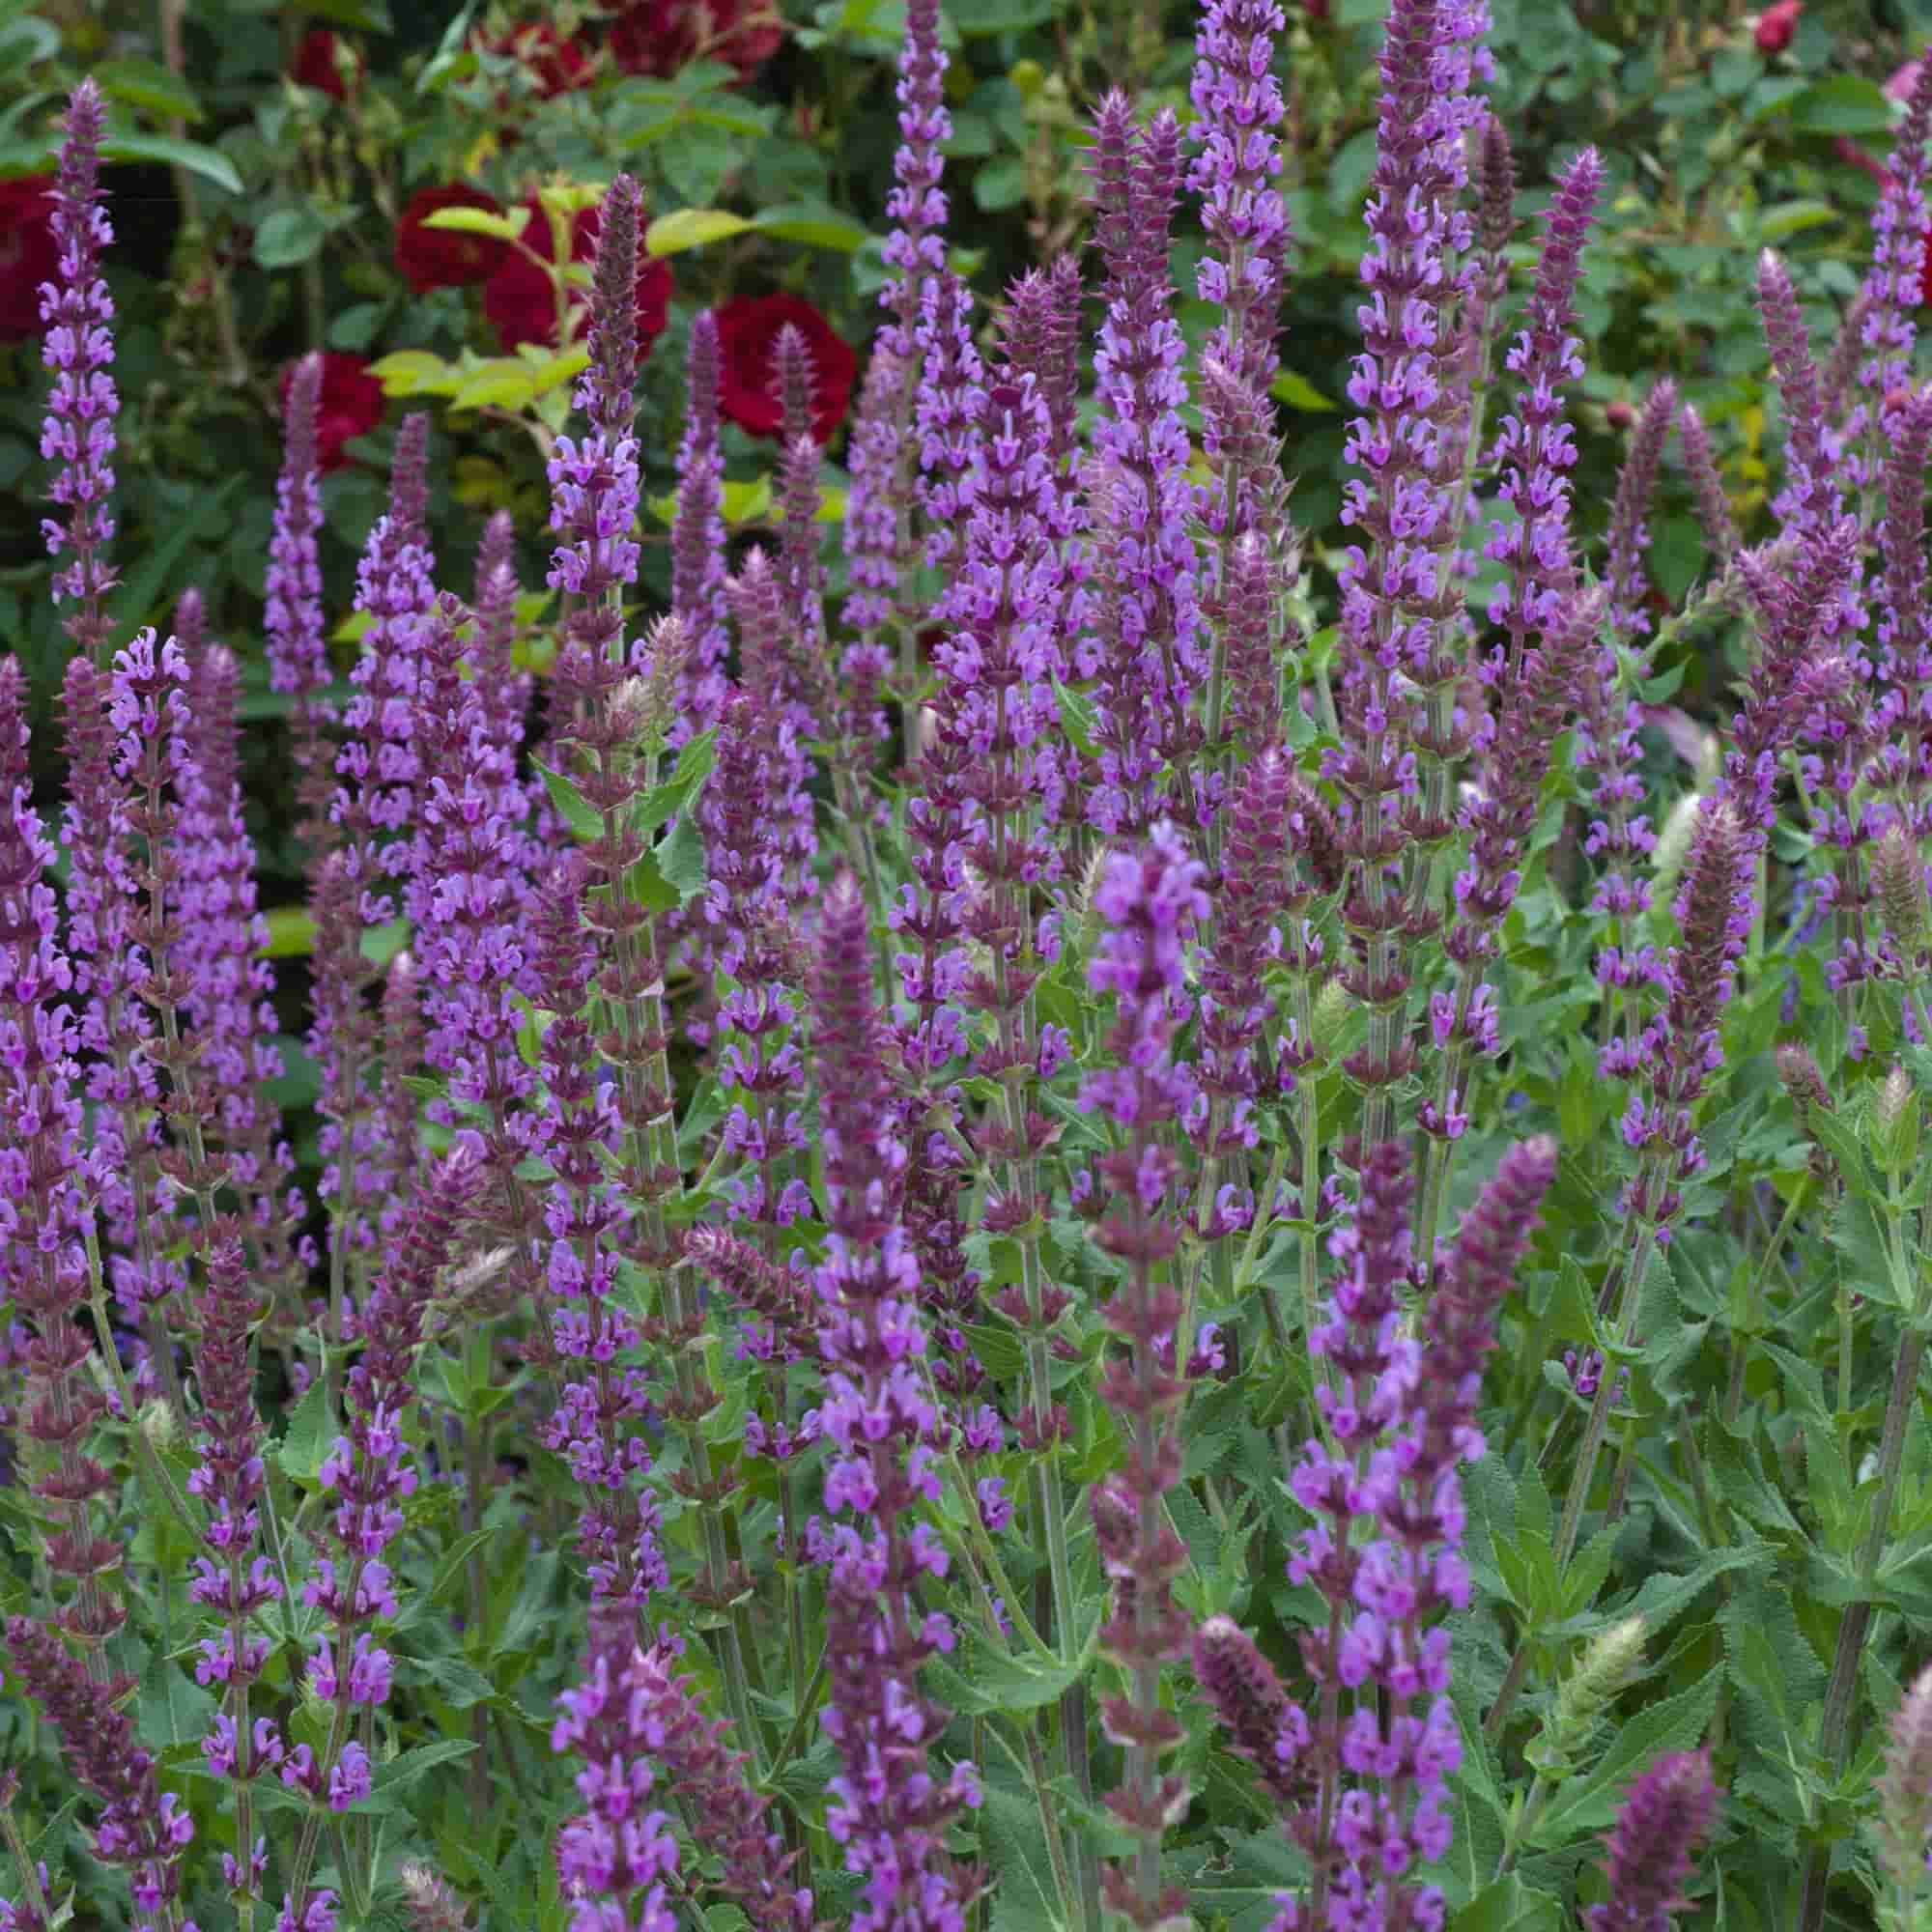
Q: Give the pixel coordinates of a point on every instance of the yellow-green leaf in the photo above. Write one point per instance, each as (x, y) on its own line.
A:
(480, 221)
(291, 934)
(1299, 393)
(560, 369)
(415, 371)
(747, 502)
(501, 382)
(692, 228)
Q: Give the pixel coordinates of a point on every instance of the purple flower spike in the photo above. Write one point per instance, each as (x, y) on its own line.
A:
(78, 350)
(1668, 1814)
(1536, 449)
(888, 1808)
(138, 1827)
(1811, 497)
(292, 616)
(697, 536)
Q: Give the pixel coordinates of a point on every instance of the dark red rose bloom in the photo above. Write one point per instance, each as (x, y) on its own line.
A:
(351, 405)
(748, 334)
(557, 64)
(315, 64)
(1775, 26)
(659, 37)
(521, 304)
(29, 254)
(442, 258)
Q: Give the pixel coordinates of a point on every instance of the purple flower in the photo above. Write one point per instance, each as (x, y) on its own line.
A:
(1652, 1850)
(697, 536)
(77, 347)
(138, 1826)
(292, 617)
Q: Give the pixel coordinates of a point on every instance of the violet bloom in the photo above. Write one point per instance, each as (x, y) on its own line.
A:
(1887, 306)
(1397, 618)
(603, 1402)
(888, 1809)
(727, 1817)
(234, 1580)
(292, 617)
(50, 1180)
(884, 456)
(229, 1007)
(698, 535)
(139, 1826)
(1670, 1060)
(1535, 447)
(1652, 1850)
(614, 1855)
(1811, 497)
(1149, 654)
(1151, 901)
(78, 349)
(1401, 1415)
(379, 769)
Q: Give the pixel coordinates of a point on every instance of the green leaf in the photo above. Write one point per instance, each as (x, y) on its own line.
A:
(502, 382)
(311, 1434)
(665, 801)
(682, 861)
(209, 163)
(416, 372)
(1841, 104)
(480, 221)
(1299, 393)
(571, 805)
(692, 228)
(813, 225)
(1675, 1724)
(147, 85)
(290, 237)
(1508, 1905)
(1079, 717)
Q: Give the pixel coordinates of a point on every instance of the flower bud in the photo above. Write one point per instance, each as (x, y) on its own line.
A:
(1606, 1666)
(1905, 1787)
(1332, 1018)
(1893, 1132)
(1898, 883)
(1798, 1073)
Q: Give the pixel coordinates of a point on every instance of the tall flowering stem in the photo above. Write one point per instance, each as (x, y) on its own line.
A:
(78, 350)
(1369, 1785)
(292, 617)
(1240, 105)
(1531, 695)
(367, 1474)
(1888, 305)
(50, 1259)
(880, 539)
(376, 769)
(1151, 901)
(622, 702)
(888, 1808)
(140, 1825)
(232, 1577)
(698, 534)
(1400, 595)
(1148, 649)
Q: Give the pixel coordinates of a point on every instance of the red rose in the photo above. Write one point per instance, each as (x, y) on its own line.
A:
(748, 334)
(319, 65)
(351, 404)
(658, 37)
(557, 66)
(442, 258)
(1775, 26)
(518, 301)
(29, 254)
